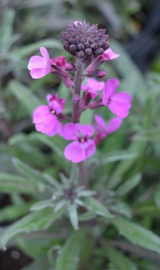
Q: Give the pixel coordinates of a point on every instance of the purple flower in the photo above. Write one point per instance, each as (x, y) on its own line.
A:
(39, 66)
(100, 59)
(45, 116)
(82, 147)
(109, 55)
(92, 86)
(118, 103)
(103, 130)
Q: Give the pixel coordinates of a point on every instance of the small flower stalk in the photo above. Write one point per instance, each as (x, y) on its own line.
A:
(89, 46)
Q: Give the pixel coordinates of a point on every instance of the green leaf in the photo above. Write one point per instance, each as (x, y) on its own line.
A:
(34, 221)
(73, 215)
(42, 204)
(49, 141)
(148, 135)
(28, 171)
(14, 183)
(125, 165)
(119, 261)
(118, 155)
(6, 30)
(120, 207)
(157, 196)
(129, 185)
(69, 256)
(137, 234)
(39, 264)
(25, 96)
(31, 48)
(12, 212)
(97, 208)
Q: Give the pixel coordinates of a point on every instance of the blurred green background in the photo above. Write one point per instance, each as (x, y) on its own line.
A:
(134, 29)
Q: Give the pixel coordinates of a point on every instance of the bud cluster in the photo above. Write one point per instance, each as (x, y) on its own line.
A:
(84, 41)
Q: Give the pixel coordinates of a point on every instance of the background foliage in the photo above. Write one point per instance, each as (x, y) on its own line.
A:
(126, 165)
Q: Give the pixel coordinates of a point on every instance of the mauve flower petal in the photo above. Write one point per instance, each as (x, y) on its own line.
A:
(48, 97)
(114, 124)
(75, 152)
(57, 128)
(93, 94)
(47, 125)
(38, 73)
(69, 132)
(122, 96)
(89, 148)
(86, 130)
(109, 55)
(100, 122)
(93, 85)
(40, 113)
(56, 104)
(109, 90)
(99, 137)
(45, 54)
(119, 108)
(36, 62)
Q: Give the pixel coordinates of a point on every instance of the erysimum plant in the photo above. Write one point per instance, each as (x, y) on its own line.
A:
(72, 200)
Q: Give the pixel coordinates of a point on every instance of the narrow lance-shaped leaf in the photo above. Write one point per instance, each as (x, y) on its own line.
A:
(14, 183)
(24, 95)
(97, 208)
(69, 256)
(129, 185)
(119, 261)
(73, 215)
(28, 171)
(157, 197)
(34, 221)
(137, 234)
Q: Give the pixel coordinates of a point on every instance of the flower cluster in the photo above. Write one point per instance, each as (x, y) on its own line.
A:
(90, 48)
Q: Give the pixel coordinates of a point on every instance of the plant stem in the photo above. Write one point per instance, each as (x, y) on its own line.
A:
(77, 89)
(83, 174)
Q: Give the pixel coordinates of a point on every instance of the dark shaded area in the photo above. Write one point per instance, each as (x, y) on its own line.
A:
(145, 47)
(13, 258)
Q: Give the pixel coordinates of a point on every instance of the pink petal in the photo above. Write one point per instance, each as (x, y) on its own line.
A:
(69, 132)
(119, 108)
(75, 152)
(93, 85)
(89, 148)
(99, 137)
(85, 130)
(122, 96)
(36, 62)
(47, 125)
(109, 55)
(100, 121)
(38, 73)
(93, 94)
(40, 113)
(45, 54)
(56, 104)
(57, 128)
(114, 124)
(109, 89)
(48, 97)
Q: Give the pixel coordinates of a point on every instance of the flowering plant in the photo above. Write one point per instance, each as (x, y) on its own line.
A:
(75, 197)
